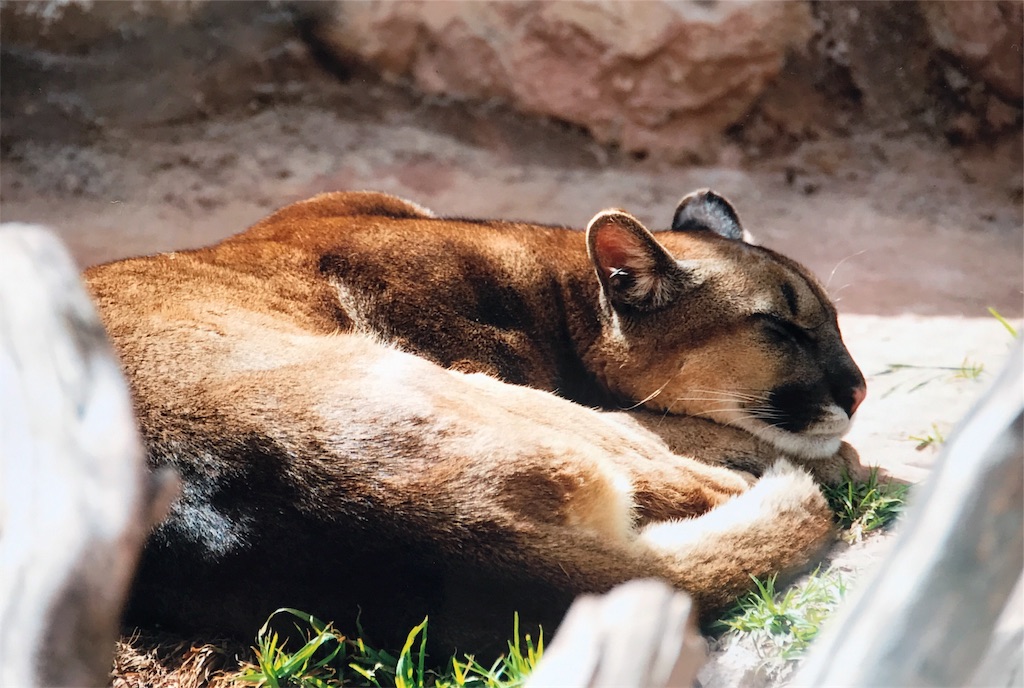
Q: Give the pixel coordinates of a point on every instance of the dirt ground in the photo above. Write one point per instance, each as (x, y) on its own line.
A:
(914, 239)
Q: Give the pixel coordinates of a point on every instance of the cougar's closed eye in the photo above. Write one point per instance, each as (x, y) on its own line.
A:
(783, 330)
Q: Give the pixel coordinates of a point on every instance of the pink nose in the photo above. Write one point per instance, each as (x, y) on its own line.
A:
(858, 396)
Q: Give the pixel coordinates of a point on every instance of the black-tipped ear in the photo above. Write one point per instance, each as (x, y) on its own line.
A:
(636, 272)
(706, 210)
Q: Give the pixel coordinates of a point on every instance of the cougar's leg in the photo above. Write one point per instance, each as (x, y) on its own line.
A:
(780, 525)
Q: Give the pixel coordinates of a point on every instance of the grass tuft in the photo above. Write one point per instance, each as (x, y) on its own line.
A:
(330, 660)
(934, 438)
(785, 623)
(969, 370)
(275, 667)
(861, 507)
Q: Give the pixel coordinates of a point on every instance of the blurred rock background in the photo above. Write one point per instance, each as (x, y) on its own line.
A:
(684, 81)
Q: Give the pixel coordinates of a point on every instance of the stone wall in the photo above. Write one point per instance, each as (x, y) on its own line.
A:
(669, 79)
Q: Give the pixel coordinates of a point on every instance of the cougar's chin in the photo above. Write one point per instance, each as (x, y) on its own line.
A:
(819, 440)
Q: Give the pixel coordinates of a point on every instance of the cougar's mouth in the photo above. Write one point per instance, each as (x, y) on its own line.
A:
(818, 440)
(801, 420)
(784, 418)
(812, 435)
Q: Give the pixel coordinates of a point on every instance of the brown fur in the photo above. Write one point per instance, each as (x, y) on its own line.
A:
(374, 409)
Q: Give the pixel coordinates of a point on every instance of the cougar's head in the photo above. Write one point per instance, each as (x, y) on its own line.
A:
(698, 321)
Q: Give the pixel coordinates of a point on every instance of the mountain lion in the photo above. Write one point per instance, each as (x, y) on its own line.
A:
(378, 414)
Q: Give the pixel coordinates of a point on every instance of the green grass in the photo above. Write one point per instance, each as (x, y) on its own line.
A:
(310, 665)
(923, 375)
(933, 438)
(1003, 321)
(969, 370)
(329, 660)
(785, 622)
(920, 376)
(862, 507)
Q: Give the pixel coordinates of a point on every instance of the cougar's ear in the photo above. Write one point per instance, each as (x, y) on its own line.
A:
(706, 210)
(636, 272)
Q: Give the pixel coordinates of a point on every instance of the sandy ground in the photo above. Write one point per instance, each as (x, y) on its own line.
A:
(915, 241)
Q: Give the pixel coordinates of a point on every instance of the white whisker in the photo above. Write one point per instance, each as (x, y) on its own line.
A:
(835, 295)
(761, 416)
(720, 403)
(653, 394)
(833, 273)
(759, 395)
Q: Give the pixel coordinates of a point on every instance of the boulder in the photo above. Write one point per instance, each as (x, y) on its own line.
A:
(657, 77)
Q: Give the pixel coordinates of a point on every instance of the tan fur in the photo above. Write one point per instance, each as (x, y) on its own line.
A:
(416, 393)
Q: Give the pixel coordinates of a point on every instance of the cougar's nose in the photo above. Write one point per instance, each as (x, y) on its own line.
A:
(858, 396)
